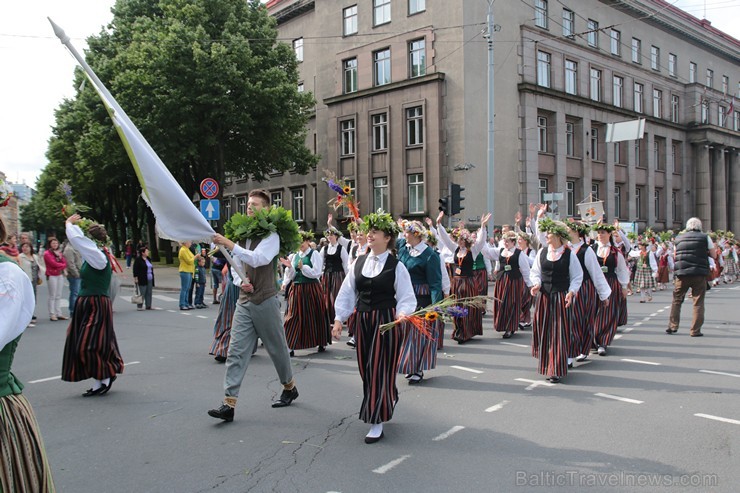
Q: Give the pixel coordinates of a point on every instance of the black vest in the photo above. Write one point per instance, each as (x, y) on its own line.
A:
(333, 263)
(466, 267)
(555, 275)
(379, 292)
(582, 259)
(610, 262)
(513, 262)
(692, 254)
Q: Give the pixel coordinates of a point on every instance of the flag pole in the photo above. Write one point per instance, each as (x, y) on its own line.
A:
(232, 262)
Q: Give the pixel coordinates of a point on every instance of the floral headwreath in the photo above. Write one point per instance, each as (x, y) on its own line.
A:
(306, 235)
(352, 227)
(525, 237)
(331, 230)
(413, 227)
(582, 229)
(558, 228)
(464, 234)
(430, 238)
(381, 221)
(509, 235)
(5, 193)
(609, 228)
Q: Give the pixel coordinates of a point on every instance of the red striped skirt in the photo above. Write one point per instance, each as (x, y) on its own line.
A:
(607, 317)
(622, 303)
(481, 280)
(330, 283)
(507, 303)
(377, 360)
(526, 315)
(305, 316)
(584, 310)
(222, 328)
(550, 334)
(91, 348)
(465, 328)
(419, 353)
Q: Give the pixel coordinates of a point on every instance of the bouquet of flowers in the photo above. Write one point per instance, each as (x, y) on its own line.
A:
(69, 206)
(265, 221)
(446, 310)
(344, 194)
(649, 235)
(5, 193)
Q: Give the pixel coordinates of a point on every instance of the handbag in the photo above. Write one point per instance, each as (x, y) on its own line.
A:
(137, 298)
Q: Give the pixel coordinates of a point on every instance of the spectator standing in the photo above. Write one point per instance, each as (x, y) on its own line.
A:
(693, 248)
(55, 265)
(187, 270)
(129, 252)
(74, 263)
(10, 247)
(144, 277)
(200, 282)
(29, 262)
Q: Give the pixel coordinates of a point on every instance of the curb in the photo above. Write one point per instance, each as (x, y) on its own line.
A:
(168, 290)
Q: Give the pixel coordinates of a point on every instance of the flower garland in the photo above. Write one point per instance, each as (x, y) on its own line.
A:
(344, 194)
(582, 229)
(306, 236)
(265, 221)
(69, 206)
(463, 233)
(547, 225)
(446, 310)
(381, 221)
(5, 193)
(413, 227)
(331, 230)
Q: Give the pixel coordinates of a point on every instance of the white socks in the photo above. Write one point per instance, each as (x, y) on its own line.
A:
(375, 431)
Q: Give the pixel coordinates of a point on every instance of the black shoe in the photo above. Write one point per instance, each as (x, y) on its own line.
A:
(351, 342)
(374, 439)
(698, 334)
(110, 384)
(322, 349)
(220, 359)
(671, 331)
(90, 392)
(216, 302)
(416, 381)
(555, 379)
(224, 412)
(286, 398)
(292, 353)
(507, 335)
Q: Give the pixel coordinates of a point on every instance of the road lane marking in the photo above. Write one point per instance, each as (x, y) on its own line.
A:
(661, 310)
(640, 361)
(720, 373)
(535, 383)
(162, 297)
(653, 314)
(637, 324)
(628, 329)
(466, 369)
(497, 407)
(171, 311)
(448, 433)
(185, 313)
(617, 398)
(201, 316)
(646, 319)
(618, 336)
(384, 469)
(59, 377)
(717, 418)
(514, 344)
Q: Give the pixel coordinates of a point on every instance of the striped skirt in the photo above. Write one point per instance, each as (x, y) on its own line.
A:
(91, 349)
(550, 334)
(377, 359)
(222, 328)
(305, 317)
(481, 281)
(607, 317)
(330, 283)
(730, 267)
(526, 314)
(644, 277)
(23, 463)
(419, 353)
(465, 328)
(507, 303)
(584, 309)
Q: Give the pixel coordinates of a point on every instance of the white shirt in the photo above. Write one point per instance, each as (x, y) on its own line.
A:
(574, 269)
(475, 249)
(651, 259)
(332, 249)
(445, 277)
(312, 272)
(266, 251)
(623, 273)
(16, 302)
(594, 270)
(89, 251)
(346, 300)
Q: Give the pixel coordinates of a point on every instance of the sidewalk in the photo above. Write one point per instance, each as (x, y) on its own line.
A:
(166, 278)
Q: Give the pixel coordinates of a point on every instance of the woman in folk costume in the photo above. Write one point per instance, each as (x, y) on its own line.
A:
(419, 352)
(431, 240)
(463, 281)
(23, 463)
(645, 272)
(617, 274)
(556, 277)
(226, 309)
(665, 261)
(524, 243)
(91, 349)
(730, 257)
(336, 262)
(512, 279)
(377, 290)
(594, 292)
(481, 268)
(305, 315)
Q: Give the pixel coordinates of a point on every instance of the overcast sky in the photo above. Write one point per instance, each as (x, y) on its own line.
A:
(37, 69)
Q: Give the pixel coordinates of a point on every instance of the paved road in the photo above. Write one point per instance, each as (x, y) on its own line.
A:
(657, 408)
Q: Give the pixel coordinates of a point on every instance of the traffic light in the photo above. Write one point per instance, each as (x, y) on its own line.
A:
(444, 205)
(456, 199)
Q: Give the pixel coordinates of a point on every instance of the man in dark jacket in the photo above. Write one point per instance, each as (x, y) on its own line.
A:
(693, 249)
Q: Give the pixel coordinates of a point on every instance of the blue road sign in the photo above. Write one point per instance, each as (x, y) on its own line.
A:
(211, 209)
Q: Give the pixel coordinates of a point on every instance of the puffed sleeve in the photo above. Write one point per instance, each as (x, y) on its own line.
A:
(317, 265)
(346, 299)
(576, 274)
(535, 273)
(445, 238)
(87, 248)
(405, 297)
(597, 275)
(524, 268)
(16, 302)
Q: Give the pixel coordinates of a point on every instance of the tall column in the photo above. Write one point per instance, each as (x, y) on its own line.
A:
(703, 209)
(631, 182)
(561, 165)
(649, 141)
(608, 194)
(587, 163)
(734, 190)
(719, 188)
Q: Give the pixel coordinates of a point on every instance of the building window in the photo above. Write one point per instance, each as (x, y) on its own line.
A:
(571, 77)
(639, 89)
(616, 42)
(381, 12)
(638, 161)
(595, 190)
(657, 103)
(655, 58)
(414, 126)
(636, 50)
(674, 108)
(617, 152)
(593, 33)
(595, 84)
(350, 20)
(617, 201)
(594, 144)
(540, 13)
(350, 75)
(638, 202)
(658, 154)
(227, 209)
(692, 72)
(382, 67)
(297, 203)
(541, 134)
(416, 6)
(674, 206)
(569, 20)
(570, 198)
(722, 116)
(617, 91)
(710, 78)
(298, 49)
(570, 139)
(543, 69)
(725, 84)
(672, 61)
(674, 157)
(301, 88)
(276, 199)
(380, 194)
(542, 187)
(416, 194)
(736, 121)
(417, 58)
(704, 111)
(348, 137)
(241, 205)
(380, 131)
(656, 198)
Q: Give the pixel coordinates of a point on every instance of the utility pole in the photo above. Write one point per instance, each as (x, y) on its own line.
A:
(489, 35)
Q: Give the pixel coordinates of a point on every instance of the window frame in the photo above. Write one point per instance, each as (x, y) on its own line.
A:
(570, 198)
(384, 63)
(693, 71)
(416, 186)
(384, 197)
(570, 139)
(617, 201)
(347, 137)
(418, 9)
(615, 42)
(569, 23)
(298, 49)
(414, 126)
(542, 134)
(352, 18)
(710, 78)
(571, 77)
(594, 140)
(655, 58)
(597, 87)
(544, 60)
(618, 91)
(352, 72)
(276, 198)
(675, 108)
(657, 103)
(592, 38)
(383, 7)
(414, 55)
(379, 131)
(672, 64)
(637, 51)
(541, 14)
(638, 97)
(298, 195)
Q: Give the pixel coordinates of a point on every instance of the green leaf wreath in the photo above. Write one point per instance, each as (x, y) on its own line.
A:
(265, 221)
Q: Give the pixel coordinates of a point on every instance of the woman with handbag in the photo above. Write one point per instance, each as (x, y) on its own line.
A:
(55, 265)
(143, 280)
(29, 262)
